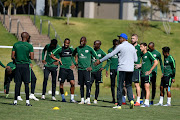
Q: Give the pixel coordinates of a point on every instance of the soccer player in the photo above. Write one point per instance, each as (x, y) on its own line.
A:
(1, 64)
(22, 52)
(157, 55)
(137, 72)
(168, 76)
(50, 66)
(113, 62)
(65, 72)
(146, 71)
(96, 73)
(84, 53)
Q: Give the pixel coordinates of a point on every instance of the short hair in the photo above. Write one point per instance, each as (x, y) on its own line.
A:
(54, 42)
(114, 41)
(82, 38)
(8, 70)
(97, 41)
(151, 43)
(144, 44)
(166, 49)
(135, 35)
(67, 39)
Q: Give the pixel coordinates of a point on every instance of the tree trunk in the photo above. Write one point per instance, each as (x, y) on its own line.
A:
(50, 9)
(61, 8)
(69, 12)
(9, 9)
(23, 9)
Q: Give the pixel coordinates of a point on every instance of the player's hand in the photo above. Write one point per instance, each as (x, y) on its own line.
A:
(72, 67)
(162, 76)
(173, 80)
(31, 65)
(101, 69)
(137, 66)
(56, 63)
(4, 91)
(97, 62)
(60, 62)
(106, 73)
(7, 67)
(44, 62)
(148, 72)
(89, 69)
(52, 55)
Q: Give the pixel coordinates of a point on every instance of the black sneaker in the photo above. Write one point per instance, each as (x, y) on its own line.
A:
(14, 104)
(28, 104)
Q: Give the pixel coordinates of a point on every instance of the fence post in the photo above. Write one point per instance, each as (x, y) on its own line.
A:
(29, 8)
(49, 28)
(39, 53)
(18, 28)
(55, 34)
(4, 10)
(10, 20)
(40, 26)
(34, 16)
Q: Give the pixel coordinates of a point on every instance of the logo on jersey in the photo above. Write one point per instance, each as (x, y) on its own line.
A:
(94, 59)
(115, 56)
(86, 51)
(67, 53)
(145, 56)
(154, 55)
(99, 55)
(167, 61)
(82, 56)
(111, 73)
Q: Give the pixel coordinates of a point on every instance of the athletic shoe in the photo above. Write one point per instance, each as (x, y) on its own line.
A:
(14, 104)
(167, 105)
(137, 104)
(117, 107)
(85, 101)
(53, 98)
(19, 98)
(95, 101)
(158, 104)
(43, 97)
(33, 97)
(82, 102)
(63, 100)
(88, 102)
(123, 103)
(131, 104)
(73, 101)
(7, 95)
(28, 104)
(151, 103)
(141, 102)
(144, 105)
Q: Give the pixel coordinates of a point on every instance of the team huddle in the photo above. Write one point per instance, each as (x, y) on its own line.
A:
(129, 62)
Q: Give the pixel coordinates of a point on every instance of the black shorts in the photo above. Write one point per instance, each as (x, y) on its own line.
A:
(65, 74)
(113, 73)
(97, 76)
(84, 77)
(22, 73)
(136, 76)
(166, 81)
(146, 79)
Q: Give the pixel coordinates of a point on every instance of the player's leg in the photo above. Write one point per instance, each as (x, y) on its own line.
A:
(147, 90)
(160, 103)
(98, 77)
(87, 80)
(153, 81)
(136, 79)
(124, 94)
(113, 77)
(168, 90)
(54, 75)
(72, 88)
(46, 75)
(81, 83)
(143, 93)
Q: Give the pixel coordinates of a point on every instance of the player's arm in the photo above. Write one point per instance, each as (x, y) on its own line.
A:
(173, 67)
(31, 53)
(2, 64)
(161, 63)
(54, 57)
(72, 58)
(43, 54)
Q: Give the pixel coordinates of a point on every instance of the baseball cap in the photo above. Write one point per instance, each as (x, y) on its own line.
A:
(123, 35)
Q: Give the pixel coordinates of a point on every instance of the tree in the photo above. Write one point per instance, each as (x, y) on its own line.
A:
(21, 3)
(145, 10)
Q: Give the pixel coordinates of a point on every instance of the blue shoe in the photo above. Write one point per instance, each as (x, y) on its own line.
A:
(151, 103)
(63, 100)
(141, 102)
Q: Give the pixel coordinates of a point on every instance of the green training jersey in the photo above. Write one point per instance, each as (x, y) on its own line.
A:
(84, 54)
(100, 53)
(22, 50)
(113, 61)
(147, 60)
(2, 64)
(139, 55)
(49, 60)
(66, 57)
(169, 67)
(11, 65)
(157, 55)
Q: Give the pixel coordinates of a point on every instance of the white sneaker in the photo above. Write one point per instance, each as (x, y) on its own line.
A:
(95, 101)
(144, 105)
(53, 98)
(117, 107)
(82, 102)
(158, 104)
(19, 98)
(43, 97)
(167, 105)
(33, 97)
(88, 102)
(73, 101)
(85, 101)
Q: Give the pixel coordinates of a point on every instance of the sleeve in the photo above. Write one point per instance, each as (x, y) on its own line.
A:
(94, 53)
(161, 63)
(2, 64)
(114, 52)
(74, 52)
(57, 51)
(173, 67)
(72, 57)
(43, 52)
(31, 48)
(13, 49)
(135, 56)
(152, 58)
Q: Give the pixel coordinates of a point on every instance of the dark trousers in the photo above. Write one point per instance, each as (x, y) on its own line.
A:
(153, 83)
(113, 74)
(53, 72)
(127, 77)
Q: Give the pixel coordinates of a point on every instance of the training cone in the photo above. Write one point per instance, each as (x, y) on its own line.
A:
(66, 93)
(56, 108)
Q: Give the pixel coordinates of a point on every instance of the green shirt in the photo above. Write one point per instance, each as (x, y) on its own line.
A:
(11, 65)
(84, 56)
(100, 53)
(169, 67)
(157, 55)
(139, 55)
(22, 50)
(49, 60)
(113, 61)
(2, 64)
(147, 60)
(66, 57)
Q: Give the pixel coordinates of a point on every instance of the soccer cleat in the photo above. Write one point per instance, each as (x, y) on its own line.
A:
(131, 104)
(117, 107)
(95, 101)
(7, 95)
(85, 101)
(158, 104)
(123, 103)
(73, 101)
(63, 100)
(19, 98)
(151, 103)
(43, 97)
(167, 105)
(144, 105)
(137, 104)
(28, 104)
(82, 102)
(53, 98)
(33, 97)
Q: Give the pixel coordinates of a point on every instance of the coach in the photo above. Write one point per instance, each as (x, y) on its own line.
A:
(126, 58)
